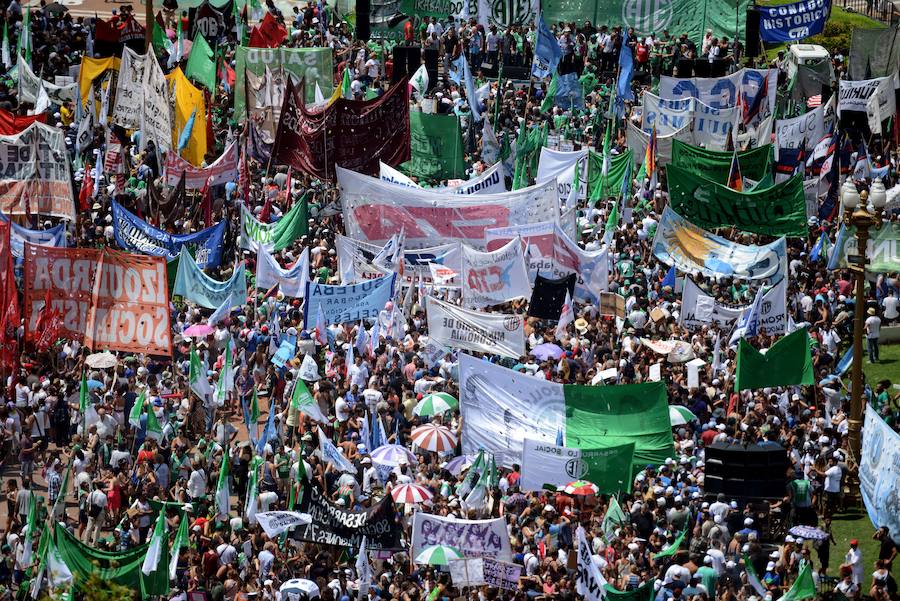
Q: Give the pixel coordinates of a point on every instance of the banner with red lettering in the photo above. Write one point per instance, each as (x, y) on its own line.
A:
(34, 173)
(223, 169)
(355, 135)
(492, 278)
(106, 298)
(374, 210)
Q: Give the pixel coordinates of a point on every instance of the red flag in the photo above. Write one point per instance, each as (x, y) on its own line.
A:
(206, 203)
(11, 124)
(266, 212)
(268, 34)
(106, 31)
(288, 197)
(210, 136)
(87, 189)
(735, 181)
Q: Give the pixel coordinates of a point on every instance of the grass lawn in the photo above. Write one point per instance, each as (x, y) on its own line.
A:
(855, 523)
(837, 30)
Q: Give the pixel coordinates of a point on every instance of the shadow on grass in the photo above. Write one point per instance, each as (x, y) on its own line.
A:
(850, 515)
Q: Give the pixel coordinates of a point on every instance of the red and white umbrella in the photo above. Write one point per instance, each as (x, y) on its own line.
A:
(435, 438)
(410, 494)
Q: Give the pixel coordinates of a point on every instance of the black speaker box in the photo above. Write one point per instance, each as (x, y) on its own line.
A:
(751, 472)
(406, 62)
(752, 45)
(363, 26)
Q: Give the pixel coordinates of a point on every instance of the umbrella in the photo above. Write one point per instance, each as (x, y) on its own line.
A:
(581, 487)
(103, 360)
(392, 454)
(547, 350)
(55, 8)
(433, 437)
(679, 415)
(410, 494)
(435, 404)
(808, 532)
(456, 465)
(439, 555)
(199, 329)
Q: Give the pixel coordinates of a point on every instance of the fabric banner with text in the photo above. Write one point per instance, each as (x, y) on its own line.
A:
(549, 464)
(714, 165)
(474, 538)
(107, 299)
(311, 65)
(491, 181)
(36, 174)
(882, 251)
(436, 148)
(350, 303)
(202, 290)
(495, 277)
(699, 309)
(355, 261)
(879, 473)
(291, 281)
(224, 169)
(494, 333)
(793, 22)
(752, 89)
(341, 527)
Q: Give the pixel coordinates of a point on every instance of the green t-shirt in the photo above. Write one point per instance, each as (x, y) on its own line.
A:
(801, 490)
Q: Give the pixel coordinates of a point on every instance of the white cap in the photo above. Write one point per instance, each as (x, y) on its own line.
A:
(748, 522)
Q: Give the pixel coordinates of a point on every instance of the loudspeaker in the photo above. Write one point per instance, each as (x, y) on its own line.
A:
(752, 45)
(430, 56)
(363, 27)
(406, 62)
(752, 472)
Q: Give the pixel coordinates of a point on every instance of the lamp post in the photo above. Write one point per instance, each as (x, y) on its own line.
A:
(857, 214)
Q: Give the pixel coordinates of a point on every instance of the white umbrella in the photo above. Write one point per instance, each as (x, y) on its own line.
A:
(392, 455)
(103, 360)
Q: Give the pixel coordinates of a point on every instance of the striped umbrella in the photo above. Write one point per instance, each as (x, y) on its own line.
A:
(456, 465)
(439, 555)
(435, 404)
(433, 437)
(581, 487)
(410, 494)
(679, 415)
(392, 454)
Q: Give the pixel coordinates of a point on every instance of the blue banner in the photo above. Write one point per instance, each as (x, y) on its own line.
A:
(19, 235)
(793, 22)
(136, 235)
(547, 52)
(200, 289)
(879, 473)
(342, 304)
(568, 91)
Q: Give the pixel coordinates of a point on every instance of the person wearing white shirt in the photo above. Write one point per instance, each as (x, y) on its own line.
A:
(873, 333)
(853, 560)
(358, 373)
(370, 475)
(890, 303)
(832, 484)
(197, 483)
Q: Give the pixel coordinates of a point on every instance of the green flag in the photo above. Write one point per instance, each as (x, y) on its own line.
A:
(303, 401)
(752, 578)
(197, 377)
(613, 518)
(550, 96)
(24, 47)
(254, 408)
(788, 362)
(223, 488)
(673, 548)
(437, 148)
(804, 586)
(181, 541)
(201, 64)
(134, 418)
(154, 429)
(157, 544)
(84, 399)
(645, 592)
(160, 41)
(714, 164)
(346, 92)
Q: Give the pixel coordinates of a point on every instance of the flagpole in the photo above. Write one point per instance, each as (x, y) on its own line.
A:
(149, 24)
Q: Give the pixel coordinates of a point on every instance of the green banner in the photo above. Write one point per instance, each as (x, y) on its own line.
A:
(692, 17)
(787, 362)
(609, 468)
(714, 165)
(645, 592)
(600, 187)
(313, 65)
(779, 210)
(601, 417)
(121, 567)
(883, 249)
(436, 147)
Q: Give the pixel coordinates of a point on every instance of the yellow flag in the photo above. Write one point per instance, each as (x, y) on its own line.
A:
(91, 69)
(188, 99)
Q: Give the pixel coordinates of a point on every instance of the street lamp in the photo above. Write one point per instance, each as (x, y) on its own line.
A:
(857, 214)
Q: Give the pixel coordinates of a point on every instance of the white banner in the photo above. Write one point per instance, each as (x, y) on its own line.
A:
(879, 472)
(493, 278)
(855, 95)
(808, 129)
(668, 115)
(355, 261)
(491, 181)
(375, 210)
(467, 572)
(278, 522)
(552, 253)
(291, 281)
(711, 125)
(30, 86)
(699, 309)
(559, 166)
(589, 581)
(882, 105)
(743, 88)
(546, 463)
(130, 91)
(494, 333)
(475, 538)
(638, 140)
(157, 112)
(501, 408)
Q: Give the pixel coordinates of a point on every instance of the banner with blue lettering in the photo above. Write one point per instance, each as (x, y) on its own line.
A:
(342, 304)
(879, 473)
(793, 22)
(19, 235)
(200, 289)
(134, 234)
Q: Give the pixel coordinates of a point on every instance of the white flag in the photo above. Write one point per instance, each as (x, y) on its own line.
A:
(566, 317)
(332, 455)
(419, 80)
(590, 583)
(157, 542)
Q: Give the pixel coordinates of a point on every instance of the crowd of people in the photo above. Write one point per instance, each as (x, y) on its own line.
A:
(104, 478)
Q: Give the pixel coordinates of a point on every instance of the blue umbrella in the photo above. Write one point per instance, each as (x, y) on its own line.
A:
(94, 384)
(547, 350)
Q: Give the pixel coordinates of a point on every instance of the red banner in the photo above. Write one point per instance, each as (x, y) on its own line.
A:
(106, 298)
(11, 124)
(223, 169)
(352, 134)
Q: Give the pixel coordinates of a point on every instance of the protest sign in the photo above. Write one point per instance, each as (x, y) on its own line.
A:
(806, 130)
(637, 141)
(36, 177)
(310, 65)
(30, 86)
(475, 538)
(202, 290)
(666, 115)
(135, 234)
(156, 113)
(779, 210)
(129, 91)
(712, 124)
(375, 210)
(490, 181)
(545, 464)
(436, 149)
(879, 472)
(612, 304)
(316, 140)
(224, 169)
(355, 261)
(882, 250)
(748, 88)
(501, 574)
(694, 250)
(106, 299)
(494, 333)
(467, 572)
(342, 304)
(492, 278)
(589, 581)
(793, 22)
(340, 527)
(291, 281)
(856, 96)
